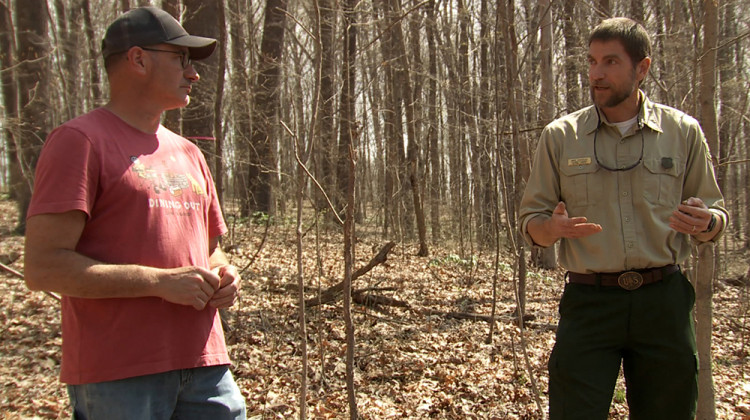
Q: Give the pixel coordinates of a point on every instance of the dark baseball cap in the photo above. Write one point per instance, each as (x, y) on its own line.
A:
(146, 26)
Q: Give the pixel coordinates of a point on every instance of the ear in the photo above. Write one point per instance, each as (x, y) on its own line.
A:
(137, 60)
(642, 68)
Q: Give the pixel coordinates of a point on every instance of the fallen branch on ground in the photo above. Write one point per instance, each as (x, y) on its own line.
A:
(334, 292)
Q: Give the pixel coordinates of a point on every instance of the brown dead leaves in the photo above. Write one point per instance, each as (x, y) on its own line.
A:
(411, 363)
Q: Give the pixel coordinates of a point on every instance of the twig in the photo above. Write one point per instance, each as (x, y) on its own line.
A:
(315, 181)
(735, 323)
(260, 247)
(20, 276)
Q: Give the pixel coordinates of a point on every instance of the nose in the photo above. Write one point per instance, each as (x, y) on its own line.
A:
(595, 72)
(191, 74)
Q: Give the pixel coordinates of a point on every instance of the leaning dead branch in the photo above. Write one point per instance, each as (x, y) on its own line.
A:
(334, 292)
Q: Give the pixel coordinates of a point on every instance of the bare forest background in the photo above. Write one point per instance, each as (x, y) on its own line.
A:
(407, 121)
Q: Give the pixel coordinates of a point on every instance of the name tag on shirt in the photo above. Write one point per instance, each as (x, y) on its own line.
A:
(579, 161)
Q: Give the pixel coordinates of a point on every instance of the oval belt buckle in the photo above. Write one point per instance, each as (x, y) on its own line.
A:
(630, 280)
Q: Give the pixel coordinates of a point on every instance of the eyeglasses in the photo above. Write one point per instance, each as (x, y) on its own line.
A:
(625, 168)
(184, 55)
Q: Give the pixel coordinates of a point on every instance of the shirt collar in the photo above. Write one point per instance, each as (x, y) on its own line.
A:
(647, 116)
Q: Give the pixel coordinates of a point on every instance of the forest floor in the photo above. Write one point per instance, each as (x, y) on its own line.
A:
(416, 361)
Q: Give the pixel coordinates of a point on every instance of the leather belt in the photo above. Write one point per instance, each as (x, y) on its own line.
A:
(628, 280)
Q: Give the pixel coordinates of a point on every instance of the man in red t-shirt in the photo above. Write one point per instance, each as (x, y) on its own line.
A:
(125, 223)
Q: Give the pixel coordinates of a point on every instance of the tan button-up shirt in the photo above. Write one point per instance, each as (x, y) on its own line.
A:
(633, 206)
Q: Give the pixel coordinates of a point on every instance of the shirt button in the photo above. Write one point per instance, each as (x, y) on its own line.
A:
(627, 219)
(624, 193)
(630, 244)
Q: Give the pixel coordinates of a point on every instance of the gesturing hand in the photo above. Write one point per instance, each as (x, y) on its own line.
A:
(563, 226)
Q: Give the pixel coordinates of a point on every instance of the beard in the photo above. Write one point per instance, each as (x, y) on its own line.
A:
(617, 94)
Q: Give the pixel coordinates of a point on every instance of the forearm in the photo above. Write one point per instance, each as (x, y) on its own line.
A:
(540, 231)
(69, 273)
(53, 264)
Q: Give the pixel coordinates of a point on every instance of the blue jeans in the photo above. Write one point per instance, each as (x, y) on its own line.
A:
(201, 393)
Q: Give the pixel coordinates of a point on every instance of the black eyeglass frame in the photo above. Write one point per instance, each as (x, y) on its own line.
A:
(626, 168)
(185, 60)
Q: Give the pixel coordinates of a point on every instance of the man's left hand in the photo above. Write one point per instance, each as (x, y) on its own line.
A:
(691, 217)
(229, 287)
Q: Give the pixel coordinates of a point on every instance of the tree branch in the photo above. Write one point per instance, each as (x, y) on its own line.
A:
(332, 293)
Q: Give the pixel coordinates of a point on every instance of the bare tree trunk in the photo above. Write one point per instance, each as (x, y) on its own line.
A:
(348, 126)
(95, 81)
(240, 100)
(33, 94)
(506, 14)
(572, 42)
(67, 57)
(482, 151)
(732, 139)
(705, 273)
(301, 293)
(348, 269)
(172, 118)
(303, 160)
(604, 9)
(703, 282)
(377, 171)
(520, 149)
(433, 126)
(373, 80)
(394, 145)
(403, 80)
(266, 106)
(467, 120)
(202, 18)
(10, 101)
(325, 153)
(546, 258)
(218, 102)
(457, 66)
(636, 10)
(730, 134)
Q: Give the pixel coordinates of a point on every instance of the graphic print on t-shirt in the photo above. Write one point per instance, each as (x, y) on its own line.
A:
(163, 180)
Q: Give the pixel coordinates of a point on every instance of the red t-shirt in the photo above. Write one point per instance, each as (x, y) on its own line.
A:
(150, 200)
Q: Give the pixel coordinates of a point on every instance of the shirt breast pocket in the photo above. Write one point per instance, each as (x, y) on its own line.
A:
(662, 184)
(580, 185)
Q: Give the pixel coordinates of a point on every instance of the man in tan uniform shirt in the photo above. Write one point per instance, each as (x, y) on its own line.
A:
(625, 185)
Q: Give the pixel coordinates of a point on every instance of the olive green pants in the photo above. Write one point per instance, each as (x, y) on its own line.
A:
(649, 331)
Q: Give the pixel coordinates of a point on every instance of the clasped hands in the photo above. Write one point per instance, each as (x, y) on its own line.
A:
(198, 287)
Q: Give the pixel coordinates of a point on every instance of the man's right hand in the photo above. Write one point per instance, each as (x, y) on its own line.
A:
(546, 231)
(191, 286)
